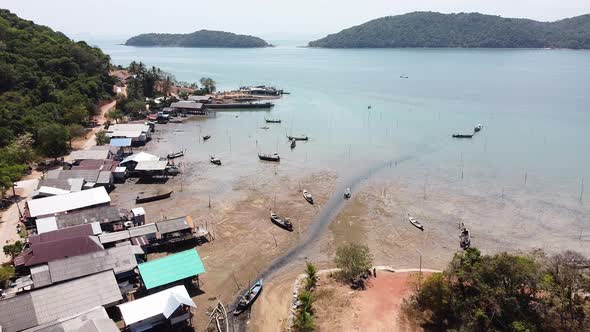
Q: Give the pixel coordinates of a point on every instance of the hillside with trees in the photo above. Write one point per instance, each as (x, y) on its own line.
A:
(201, 38)
(463, 30)
(49, 86)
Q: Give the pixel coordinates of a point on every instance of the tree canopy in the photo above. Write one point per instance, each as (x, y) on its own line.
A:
(201, 38)
(353, 259)
(505, 292)
(430, 29)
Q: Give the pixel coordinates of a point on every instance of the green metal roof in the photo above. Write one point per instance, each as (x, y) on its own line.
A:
(171, 268)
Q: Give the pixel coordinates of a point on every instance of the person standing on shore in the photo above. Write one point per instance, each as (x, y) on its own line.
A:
(374, 273)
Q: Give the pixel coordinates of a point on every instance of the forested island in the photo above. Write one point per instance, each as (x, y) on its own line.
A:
(463, 30)
(202, 38)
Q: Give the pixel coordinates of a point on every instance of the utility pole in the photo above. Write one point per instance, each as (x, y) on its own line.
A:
(420, 275)
(20, 214)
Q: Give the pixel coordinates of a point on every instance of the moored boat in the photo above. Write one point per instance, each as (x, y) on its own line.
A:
(265, 127)
(175, 154)
(415, 222)
(347, 193)
(206, 137)
(281, 222)
(269, 157)
(248, 298)
(144, 198)
(298, 138)
(477, 128)
(214, 160)
(457, 135)
(308, 196)
(272, 120)
(293, 143)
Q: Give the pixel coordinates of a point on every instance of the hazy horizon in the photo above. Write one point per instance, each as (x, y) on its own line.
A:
(302, 20)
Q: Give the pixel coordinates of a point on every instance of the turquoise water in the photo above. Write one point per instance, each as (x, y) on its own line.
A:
(534, 105)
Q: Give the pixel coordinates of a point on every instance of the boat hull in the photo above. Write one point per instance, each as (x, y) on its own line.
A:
(146, 199)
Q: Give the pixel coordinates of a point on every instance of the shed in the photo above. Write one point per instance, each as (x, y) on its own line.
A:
(174, 225)
(68, 202)
(172, 268)
(66, 233)
(50, 304)
(152, 310)
(187, 105)
(94, 320)
(46, 224)
(39, 253)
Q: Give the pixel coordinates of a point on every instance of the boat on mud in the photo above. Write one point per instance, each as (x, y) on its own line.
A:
(206, 137)
(272, 120)
(457, 135)
(281, 222)
(293, 144)
(347, 193)
(298, 138)
(269, 157)
(145, 198)
(308, 196)
(415, 222)
(175, 154)
(248, 298)
(214, 160)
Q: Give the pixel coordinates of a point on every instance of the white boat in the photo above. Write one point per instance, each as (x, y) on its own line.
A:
(347, 193)
(308, 196)
(214, 160)
(415, 222)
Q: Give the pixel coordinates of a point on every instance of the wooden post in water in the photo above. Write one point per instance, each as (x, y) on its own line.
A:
(525, 176)
(582, 191)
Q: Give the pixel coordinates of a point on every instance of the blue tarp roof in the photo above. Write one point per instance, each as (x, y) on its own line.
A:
(120, 142)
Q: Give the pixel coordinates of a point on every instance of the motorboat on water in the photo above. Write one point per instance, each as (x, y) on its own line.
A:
(347, 193)
(269, 157)
(215, 160)
(206, 137)
(477, 128)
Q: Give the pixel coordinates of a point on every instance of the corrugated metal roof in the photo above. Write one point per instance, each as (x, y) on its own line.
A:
(104, 177)
(113, 237)
(171, 268)
(102, 214)
(83, 322)
(129, 126)
(118, 259)
(173, 225)
(143, 230)
(162, 303)
(89, 154)
(66, 233)
(45, 225)
(125, 133)
(44, 252)
(69, 185)
(40, 275)
(187, 105)
(89, 175)
(72, 201)
(63, 300)
(120, 142)
(151, 165)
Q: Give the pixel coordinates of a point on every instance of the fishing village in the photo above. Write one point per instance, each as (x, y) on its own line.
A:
(296, 189)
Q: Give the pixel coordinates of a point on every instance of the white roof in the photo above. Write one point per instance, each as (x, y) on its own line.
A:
(151, 165)
(67, 202)
(89, 154)
(138, 211)
(125, 133)
(164, 302)
(52, 191)
(45, 225)
(141, 156)
(120, 169)
(129, 127)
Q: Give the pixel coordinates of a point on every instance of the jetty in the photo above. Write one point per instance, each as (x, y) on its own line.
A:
(240, 105)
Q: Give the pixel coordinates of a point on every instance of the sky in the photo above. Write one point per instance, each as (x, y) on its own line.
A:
(270, 19)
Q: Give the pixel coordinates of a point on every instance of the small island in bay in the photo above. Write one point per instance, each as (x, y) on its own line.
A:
(201, 38)
(462, 30)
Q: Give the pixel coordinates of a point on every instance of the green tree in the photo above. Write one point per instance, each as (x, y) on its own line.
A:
(102, 138)
(14, 249)
(353, 259)
(75, 115)
(135, 108)
(304, 322)
(6, 273)
(74, 131)
(311, 278)
(115, 115)
(8, 175)
(208, 84)
(52, 140)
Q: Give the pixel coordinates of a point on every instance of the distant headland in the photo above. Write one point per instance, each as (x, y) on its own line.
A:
(201, 38)
(462, 30)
